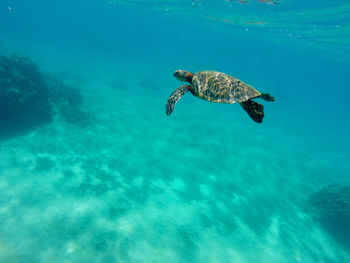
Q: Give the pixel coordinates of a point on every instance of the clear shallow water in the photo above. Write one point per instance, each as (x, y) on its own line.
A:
(203, 185)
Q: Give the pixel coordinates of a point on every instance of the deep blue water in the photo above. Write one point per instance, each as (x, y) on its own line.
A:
(205, 184)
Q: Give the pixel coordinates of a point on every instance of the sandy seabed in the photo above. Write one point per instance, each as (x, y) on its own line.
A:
(137, 186)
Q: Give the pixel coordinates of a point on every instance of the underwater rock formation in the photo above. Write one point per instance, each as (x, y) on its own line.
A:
(67, 101)
(331, 207)
(74, 114)
(61, 92)
(29, 99)
(24, 97)
(148, 83)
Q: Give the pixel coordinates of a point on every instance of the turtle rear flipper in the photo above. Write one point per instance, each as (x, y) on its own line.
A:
(267, 97)
(175, 97)
(254, 110)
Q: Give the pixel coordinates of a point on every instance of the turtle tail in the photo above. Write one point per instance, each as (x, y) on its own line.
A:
(254, 110)
(175, 97)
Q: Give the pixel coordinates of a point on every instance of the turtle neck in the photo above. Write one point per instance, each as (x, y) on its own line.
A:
(189, 77)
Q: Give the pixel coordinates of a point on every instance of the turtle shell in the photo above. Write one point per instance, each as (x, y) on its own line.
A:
(219, 87)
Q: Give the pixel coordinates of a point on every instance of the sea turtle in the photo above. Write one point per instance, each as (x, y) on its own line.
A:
(219, 87)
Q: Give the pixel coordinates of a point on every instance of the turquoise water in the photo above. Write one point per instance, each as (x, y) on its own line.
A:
(205, 184)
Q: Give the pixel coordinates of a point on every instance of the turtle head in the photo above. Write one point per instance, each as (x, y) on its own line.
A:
(183, 75)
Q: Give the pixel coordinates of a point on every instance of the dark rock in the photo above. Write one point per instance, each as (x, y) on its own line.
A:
(24, 98)
(148, 84)
(59, 91)
(29, 99)
(67, 101)
(331, 207)
(73, 114)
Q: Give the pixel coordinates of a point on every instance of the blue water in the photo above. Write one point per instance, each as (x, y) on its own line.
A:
(205, 184)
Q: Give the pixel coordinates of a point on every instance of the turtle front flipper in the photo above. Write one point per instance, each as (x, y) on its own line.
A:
(175, 97)
(254, 110)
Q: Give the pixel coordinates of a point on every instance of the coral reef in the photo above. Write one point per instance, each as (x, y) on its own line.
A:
(331, 207)
(24, 97)
(67, 101)
(74, 114)
(29, 99)
(59, 91)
